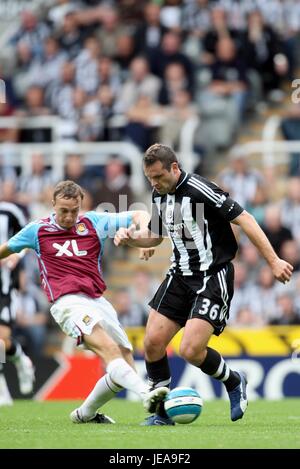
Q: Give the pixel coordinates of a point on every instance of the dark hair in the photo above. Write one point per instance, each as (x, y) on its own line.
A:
(67, 190)
(162, 153)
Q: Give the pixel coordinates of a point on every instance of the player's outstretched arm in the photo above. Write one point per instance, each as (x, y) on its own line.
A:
(281, 269)
(136, 238)
(140, 218)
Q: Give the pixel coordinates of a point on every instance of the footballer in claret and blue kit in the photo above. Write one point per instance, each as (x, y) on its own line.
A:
(63, 253)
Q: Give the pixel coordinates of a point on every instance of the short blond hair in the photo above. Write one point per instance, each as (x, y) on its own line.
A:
(68, 190)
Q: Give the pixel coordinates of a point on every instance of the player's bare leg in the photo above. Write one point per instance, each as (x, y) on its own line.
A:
(194, 349)
(159, 332)
(120, 374)
(5, 397)
(23, 364)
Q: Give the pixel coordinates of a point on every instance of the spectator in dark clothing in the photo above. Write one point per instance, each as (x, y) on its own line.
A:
(130, 314)
(114, 195)
(290, 252)
(71, 37)
(149, 33)
(34, 107)
(77, 172)
(217, 31)
(262, 49)
(287, 313)
(115, 189)
(273, 228)
(169, 52)
(125, 54)
(229, 74)
(290, 127)
(175, 80)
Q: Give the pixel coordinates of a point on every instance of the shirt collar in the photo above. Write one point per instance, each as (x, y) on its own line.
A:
(182, 178)
(54, 222)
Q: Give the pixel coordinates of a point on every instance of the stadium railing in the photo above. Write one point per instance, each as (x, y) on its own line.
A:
(273, 152)
(19, 154)
(269, 133)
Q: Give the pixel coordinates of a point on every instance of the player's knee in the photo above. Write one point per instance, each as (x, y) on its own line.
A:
(5, 334)
(191, 353)
(186, 352)
(108, 352)
(153, 345)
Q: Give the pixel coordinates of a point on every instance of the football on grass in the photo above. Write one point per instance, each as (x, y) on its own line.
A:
(183, 405)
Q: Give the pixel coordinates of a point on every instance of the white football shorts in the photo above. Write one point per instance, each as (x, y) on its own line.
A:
(77, 315)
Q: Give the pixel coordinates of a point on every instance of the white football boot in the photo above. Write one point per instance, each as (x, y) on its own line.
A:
(5, 397)
(152, 398)
(26, 375)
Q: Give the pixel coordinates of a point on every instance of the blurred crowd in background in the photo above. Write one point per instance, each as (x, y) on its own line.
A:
(137, 71)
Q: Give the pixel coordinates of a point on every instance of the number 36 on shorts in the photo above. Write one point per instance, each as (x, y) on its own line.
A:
(209, 308)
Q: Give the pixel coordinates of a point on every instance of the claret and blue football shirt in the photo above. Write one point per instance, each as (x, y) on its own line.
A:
(70, 259)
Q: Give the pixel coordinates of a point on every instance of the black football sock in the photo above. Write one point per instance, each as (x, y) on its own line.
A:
(12, 349)
(159, 375)
(215, 366)
(15, 351)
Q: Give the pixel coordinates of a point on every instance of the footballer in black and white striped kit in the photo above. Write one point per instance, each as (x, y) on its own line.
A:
(200, 280)
(12, 220)
(196, 215)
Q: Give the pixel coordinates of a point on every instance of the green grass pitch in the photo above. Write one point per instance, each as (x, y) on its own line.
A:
(266, 424)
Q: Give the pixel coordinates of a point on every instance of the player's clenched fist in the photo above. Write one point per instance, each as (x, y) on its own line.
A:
(124, 235)
(282, 270)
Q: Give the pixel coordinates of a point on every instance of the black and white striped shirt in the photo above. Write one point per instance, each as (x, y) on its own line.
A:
(196, 218)
(12, 220)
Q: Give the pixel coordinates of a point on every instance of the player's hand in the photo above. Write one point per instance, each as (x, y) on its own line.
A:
(124, 235)
(282, 270)
(11, 261)
(146, 253)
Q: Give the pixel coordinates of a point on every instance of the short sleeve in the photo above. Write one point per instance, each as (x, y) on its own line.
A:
(107, 224)
(230, 209)
(211, 194)
(26, 238)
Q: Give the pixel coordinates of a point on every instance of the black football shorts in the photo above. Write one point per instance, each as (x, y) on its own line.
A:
(201, 296)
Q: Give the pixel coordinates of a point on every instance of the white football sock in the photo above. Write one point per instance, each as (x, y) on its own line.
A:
(103, 392)
(122, 374)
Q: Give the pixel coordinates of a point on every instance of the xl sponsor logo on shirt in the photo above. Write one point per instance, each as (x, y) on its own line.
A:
(69, 248)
